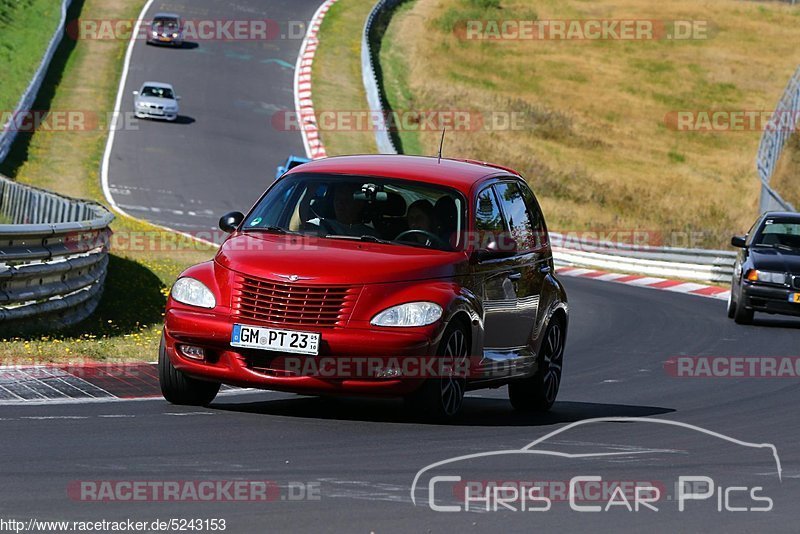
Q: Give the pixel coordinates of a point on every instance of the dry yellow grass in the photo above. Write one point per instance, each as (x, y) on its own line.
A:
(786, 180)
(598, 151)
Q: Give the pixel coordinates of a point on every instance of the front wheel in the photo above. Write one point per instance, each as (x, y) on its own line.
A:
(178, 388)
(441, 398)
(537, 393)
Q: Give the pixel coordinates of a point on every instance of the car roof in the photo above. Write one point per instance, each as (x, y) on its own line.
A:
(783, 214)
(157, 84)
(458, 174)
(166, 16)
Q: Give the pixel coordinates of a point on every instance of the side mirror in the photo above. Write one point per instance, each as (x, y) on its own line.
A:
(738, 241)
(506, 248)
(177, 97)
(231, 221)
(136, 92)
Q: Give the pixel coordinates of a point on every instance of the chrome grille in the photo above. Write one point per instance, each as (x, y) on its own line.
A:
(279, 303)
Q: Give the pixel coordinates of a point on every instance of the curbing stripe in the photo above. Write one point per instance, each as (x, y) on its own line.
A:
(663, 284)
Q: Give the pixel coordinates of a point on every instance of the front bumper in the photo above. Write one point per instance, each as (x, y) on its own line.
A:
(768, 299)
(270, 370)
(161, 40)
(144, 113)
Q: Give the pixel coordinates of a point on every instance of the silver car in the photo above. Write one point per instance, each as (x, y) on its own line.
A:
(156, 100)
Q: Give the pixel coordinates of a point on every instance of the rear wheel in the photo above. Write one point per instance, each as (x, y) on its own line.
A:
(442, 397)
(178, 388)
(537, 393)
(742, 315)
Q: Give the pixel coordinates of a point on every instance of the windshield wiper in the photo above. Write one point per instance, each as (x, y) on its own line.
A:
(272, 229)
(370, 238)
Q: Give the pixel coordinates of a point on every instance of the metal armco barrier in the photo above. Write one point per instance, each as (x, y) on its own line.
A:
(53, 258)
(781, 126)
(372, 82)
(691, 264)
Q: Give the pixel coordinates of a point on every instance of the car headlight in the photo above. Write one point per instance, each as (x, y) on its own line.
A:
(410, 314)
(770, 277)
(171, 108)
(140, 105)
(193, 292)
(174, 35)
(155, 33)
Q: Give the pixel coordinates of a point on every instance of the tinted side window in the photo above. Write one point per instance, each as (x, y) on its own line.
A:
(535, 213)
(488, 220)
(520, 222)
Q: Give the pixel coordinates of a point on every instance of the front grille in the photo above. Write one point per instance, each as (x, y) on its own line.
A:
(279, 303)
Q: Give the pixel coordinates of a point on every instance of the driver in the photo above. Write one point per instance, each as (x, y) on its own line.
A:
(421, 216)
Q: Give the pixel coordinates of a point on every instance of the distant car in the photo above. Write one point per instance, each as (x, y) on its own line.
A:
(291, 163)
(156, 100)
(766, 275)
(166, 29)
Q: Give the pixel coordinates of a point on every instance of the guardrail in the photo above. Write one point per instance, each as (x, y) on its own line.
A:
(780, 127)
(53, 258)
(372, 82)
(8, 131)
(686, 263)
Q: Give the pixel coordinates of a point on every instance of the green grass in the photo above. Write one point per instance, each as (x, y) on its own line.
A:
(336, 75)
(128, 321)
(26, 27)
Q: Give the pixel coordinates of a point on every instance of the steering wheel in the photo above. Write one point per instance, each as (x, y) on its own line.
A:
(433, 238)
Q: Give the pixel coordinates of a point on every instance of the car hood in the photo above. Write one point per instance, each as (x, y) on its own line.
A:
(157, 101)
(326, 261)
(773, 259)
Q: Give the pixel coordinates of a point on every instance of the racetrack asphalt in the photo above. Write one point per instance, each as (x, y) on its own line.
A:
(362, 455)
(222, 152)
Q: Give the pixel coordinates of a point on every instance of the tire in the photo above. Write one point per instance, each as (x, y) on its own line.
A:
(538, 392)
(441, 399)
(177, 388)
(742, 315)
(731, 305)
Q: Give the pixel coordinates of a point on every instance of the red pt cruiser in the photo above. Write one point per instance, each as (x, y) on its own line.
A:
(390, 276)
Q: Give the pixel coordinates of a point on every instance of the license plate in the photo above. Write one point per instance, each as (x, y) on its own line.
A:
(166, 39)
(156, 112)
(794, 297)
(258, 337)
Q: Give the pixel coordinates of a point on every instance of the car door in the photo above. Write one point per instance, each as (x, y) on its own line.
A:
(496, 275)
(531, 263)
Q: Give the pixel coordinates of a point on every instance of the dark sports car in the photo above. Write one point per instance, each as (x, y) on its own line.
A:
(766, 277)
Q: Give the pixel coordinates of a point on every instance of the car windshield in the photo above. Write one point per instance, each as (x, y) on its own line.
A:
(779, 233)
(165, 24)
(366, 208)
(157, 92)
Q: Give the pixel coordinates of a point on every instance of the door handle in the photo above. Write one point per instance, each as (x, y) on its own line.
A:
(515, 276)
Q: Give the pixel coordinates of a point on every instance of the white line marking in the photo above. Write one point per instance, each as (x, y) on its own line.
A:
(113, 131)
